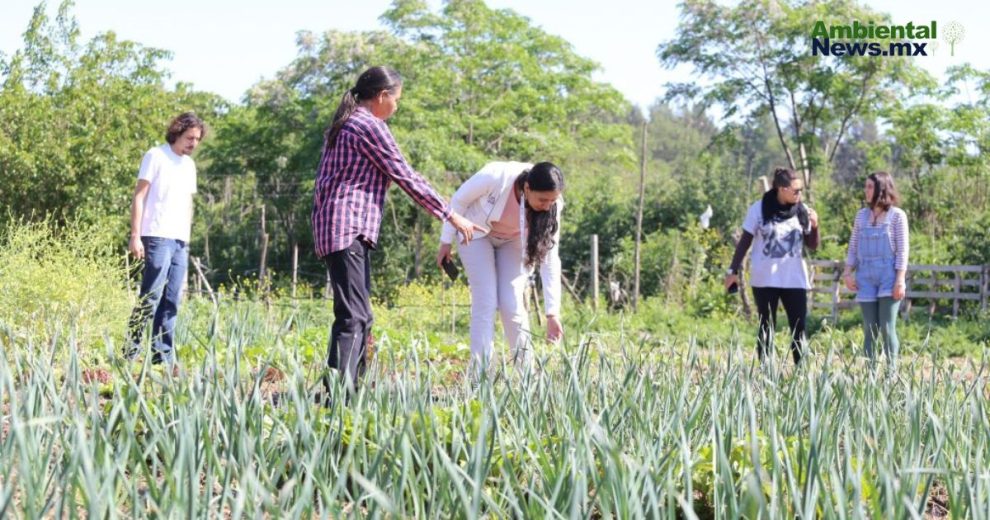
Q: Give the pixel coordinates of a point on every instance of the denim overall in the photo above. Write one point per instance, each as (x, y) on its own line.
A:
(875, 273)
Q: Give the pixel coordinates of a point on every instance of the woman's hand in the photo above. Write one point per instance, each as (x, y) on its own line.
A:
(555, 330)
(731, 279)
(443, 253)
(812, 218)
(464, 226)
(850, 281)
(900, 289)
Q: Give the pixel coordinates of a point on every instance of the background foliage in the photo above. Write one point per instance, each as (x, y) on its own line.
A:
(485, 84)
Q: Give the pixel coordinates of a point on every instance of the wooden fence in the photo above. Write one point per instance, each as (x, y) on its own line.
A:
(938, 286)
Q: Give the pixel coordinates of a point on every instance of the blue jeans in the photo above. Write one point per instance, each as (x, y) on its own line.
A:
(165, 263)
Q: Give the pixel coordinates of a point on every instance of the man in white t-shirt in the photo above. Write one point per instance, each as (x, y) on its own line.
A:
(161, 221)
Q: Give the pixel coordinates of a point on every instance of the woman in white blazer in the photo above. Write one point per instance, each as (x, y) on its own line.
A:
(519, 207)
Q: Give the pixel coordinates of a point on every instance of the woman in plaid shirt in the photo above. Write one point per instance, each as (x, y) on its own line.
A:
(360, 161)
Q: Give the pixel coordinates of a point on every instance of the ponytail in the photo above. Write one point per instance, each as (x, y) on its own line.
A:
(348, 104)
(369, 84)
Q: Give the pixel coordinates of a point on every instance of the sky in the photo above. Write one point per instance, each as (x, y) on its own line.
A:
(225, 46)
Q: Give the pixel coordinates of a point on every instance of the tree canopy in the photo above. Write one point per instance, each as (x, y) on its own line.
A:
(755, 58)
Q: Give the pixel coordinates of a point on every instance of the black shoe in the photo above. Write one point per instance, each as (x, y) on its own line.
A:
(159, 358)
(132, 352)
(323, 399)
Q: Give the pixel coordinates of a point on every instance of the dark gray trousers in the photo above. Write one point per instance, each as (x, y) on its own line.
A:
(350, 279)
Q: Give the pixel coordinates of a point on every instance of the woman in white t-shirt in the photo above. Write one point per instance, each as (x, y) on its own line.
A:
(519, 205)
(779, 226)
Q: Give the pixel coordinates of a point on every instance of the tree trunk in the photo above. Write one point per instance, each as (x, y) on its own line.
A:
(772, 102)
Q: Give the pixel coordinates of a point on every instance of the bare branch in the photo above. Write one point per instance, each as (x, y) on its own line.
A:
(850, 113)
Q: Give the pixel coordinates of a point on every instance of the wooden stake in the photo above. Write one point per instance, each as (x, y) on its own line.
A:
(295, 268)
(639, 218)
(202, 278)
(263, 267)
(594, 272)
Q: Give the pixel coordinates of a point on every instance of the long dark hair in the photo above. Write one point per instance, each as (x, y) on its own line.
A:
(884, 193)
(542, 225)
(369, 84)
(181, 123)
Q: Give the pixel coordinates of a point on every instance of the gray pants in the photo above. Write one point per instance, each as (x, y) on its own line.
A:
(880, 322)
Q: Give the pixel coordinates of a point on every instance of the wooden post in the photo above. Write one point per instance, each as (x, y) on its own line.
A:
(327, 291)
(985, 288)
(206, 243)
(453, 308)
(418, 249)
(934, 288)
(906, 308)
(836, 293)
(955, 301)
(295, 268)
(639, 218)
(594, 272)
(263, 267)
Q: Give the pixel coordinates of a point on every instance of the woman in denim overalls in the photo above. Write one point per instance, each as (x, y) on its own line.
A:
(878, 251)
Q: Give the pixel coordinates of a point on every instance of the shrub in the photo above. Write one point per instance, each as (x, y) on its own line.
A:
(52, 277)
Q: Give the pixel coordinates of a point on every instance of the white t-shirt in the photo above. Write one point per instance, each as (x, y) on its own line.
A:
(168, 207)
(778, 250)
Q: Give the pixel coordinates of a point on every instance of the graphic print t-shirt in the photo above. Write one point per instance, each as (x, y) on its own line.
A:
(778, 248)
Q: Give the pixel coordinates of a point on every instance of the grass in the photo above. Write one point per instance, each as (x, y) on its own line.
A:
(614, 423)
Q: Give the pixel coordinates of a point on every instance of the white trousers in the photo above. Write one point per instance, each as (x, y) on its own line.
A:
(497, 276)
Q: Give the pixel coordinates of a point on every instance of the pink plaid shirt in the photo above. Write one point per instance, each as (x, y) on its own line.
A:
(352, 180)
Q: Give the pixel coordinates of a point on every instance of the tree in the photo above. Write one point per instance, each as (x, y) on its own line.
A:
(480, 84)
(77, 118)
(756, 58)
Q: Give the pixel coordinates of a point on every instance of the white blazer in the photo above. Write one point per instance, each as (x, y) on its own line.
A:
(482, 198)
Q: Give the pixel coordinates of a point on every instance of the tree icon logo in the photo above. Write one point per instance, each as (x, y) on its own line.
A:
(954, 33)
